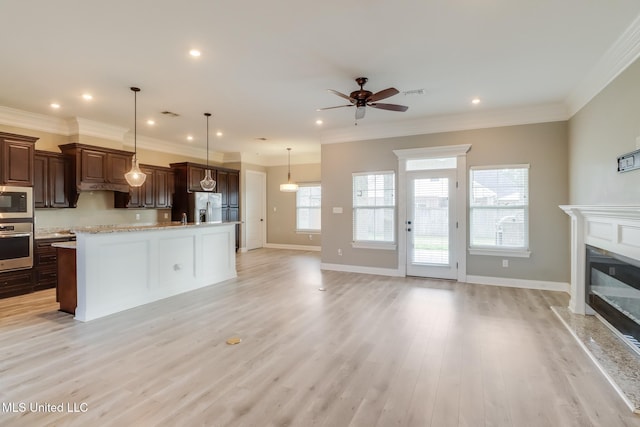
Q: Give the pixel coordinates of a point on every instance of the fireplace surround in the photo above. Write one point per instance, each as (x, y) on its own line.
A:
(605, 251)
(615, 229)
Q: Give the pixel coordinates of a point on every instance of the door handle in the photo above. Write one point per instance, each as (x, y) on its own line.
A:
(408, 229)
(409, 222)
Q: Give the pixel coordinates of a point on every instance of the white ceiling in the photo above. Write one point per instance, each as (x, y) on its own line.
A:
(265, 66)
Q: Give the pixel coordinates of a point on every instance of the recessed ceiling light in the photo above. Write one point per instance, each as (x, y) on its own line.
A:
(151, 122)
(475, 101)
(319, 122)
(87, 96)
(189, 138)
(218, 133)
(55, 105)
(194, 52)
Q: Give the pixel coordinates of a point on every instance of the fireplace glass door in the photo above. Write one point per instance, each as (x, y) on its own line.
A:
(613, 285)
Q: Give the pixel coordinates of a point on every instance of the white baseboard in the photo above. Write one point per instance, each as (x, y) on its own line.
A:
(519, 283)
(243, 250)
(362, 269)
(293, 247)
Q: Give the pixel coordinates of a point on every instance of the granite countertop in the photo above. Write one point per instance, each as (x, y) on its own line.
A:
(143, 227)
(65, 245)
(52, 233)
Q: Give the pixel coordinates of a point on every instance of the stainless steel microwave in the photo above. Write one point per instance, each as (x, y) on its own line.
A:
(16, 202)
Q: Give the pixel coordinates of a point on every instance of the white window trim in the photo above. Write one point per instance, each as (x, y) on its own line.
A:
(513, 253)
(308, 230)
(374, 244)
(385, 246)
(503, 251)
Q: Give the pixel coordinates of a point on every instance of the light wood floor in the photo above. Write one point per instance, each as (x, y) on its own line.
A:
(369, 351)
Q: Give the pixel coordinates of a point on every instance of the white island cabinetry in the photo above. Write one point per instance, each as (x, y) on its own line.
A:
(119, 268)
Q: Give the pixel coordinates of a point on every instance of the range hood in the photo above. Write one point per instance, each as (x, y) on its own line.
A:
(92, 168)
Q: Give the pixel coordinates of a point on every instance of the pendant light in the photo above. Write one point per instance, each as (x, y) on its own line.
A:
(208, 183)
(135, 177)
(289, 187)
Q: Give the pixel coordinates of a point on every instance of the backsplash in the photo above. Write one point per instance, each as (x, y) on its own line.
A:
(96, 208)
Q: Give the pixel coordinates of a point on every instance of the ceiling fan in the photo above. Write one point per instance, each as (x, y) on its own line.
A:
(364, 98)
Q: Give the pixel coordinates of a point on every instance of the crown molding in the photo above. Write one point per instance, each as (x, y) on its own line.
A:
(33, 121)
(449, 123)
(85, 127)
(160, 145)
(624, 51)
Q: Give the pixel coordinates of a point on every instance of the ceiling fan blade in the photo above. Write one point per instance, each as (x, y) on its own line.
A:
(391, 107)
(383, 94)
(360, 112)
(341, 95)
(331, 108)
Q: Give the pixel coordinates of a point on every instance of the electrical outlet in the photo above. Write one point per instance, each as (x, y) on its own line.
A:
(505, 263)
(166, 215)
(310, 236)
(339, 252)
(137, 217)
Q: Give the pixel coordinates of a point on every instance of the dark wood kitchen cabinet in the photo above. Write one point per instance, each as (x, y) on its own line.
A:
(14, 283)
(156, 192)
(16, 153)
(187, 178)
(45, 263)
(95, 168)
(49, 183)
(104, 166)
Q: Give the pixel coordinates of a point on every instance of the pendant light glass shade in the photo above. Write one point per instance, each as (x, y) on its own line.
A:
(289, 187)
(208, 183)
(135, 177)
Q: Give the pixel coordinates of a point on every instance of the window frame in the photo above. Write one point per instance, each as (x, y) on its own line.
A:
(319, 208)
(374, 244)
(517, 252)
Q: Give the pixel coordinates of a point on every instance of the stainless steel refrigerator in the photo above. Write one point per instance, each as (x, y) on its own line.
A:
(205, 207)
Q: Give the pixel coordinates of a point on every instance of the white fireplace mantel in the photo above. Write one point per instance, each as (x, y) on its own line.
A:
(615, 228)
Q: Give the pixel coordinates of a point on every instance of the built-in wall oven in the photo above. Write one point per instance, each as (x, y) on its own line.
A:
(16, 245)
(16, 228)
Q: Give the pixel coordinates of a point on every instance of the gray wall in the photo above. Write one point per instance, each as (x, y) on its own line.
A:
(543, 146)
(281, 222)
(601, 131)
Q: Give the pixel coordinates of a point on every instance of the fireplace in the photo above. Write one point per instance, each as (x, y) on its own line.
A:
(605, 281)
(613, 291)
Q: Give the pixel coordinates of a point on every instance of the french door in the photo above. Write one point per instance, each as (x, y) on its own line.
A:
(431, 224)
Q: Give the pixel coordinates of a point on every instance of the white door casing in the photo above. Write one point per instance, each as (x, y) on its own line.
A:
(458, 151)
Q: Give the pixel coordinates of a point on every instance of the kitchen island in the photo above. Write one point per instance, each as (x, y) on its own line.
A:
(121, 267)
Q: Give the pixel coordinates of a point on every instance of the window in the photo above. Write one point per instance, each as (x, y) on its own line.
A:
(499, 210)
(308, 199)
(374, 209)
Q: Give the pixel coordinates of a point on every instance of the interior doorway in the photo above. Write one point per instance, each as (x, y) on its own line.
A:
(256, 215)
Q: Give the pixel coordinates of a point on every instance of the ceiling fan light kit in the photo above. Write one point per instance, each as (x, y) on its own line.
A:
(363, 98)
